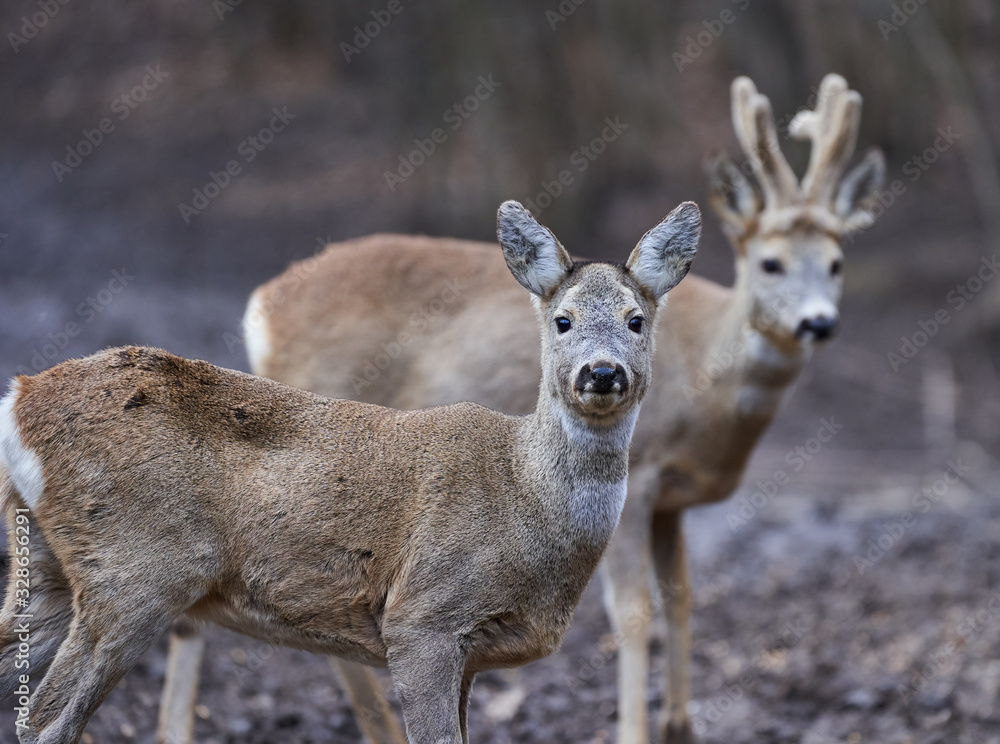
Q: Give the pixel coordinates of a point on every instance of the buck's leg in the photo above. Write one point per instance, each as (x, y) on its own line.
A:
(627, 576)
(428, 671)
(375, 716)
(180, 688)
(103, 643)
(671, 568)
(463, 705)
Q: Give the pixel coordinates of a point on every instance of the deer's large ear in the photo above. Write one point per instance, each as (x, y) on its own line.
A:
(734, 197)
(664, 255)
(534, 256)
(856, 193)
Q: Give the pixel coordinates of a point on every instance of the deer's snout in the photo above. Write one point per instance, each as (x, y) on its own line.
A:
(602, 377)
(822, 327)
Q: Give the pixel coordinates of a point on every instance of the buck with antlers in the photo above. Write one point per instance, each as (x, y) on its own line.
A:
(440, 542)
(357, 324)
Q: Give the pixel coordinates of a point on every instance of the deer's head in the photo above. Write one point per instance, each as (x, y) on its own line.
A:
(597, 319)
(787, 233)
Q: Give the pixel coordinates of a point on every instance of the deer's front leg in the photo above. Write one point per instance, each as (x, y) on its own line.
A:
(428, 669)
(627, 572)
(671, 569)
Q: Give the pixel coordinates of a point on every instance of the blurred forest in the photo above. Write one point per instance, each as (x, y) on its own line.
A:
(662, 68)
(161, 158)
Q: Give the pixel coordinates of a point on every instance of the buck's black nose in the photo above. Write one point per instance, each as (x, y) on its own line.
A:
(821, 327)
(603, 377)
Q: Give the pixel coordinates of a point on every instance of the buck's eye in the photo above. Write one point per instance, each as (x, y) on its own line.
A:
(772, 266)
(635, 324)
(836, 267)
(563, 325)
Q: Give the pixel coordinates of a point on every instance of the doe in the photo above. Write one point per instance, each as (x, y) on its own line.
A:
(439, 542)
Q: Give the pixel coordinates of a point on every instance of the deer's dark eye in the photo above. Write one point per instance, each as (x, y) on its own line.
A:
(563, 325)
(836, 267)
(635, 324)
(772, 266)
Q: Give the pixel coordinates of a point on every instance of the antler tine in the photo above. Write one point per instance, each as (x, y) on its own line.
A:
(758, 136)
(833, 131)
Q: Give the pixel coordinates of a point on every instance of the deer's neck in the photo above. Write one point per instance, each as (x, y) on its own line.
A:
(583, 468)
(761, 369)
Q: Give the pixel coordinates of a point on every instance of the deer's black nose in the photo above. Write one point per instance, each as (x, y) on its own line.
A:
(603, 377)
(821, 327)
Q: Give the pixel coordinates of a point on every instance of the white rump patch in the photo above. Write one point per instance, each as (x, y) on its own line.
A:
(256, 333)
(22, 463)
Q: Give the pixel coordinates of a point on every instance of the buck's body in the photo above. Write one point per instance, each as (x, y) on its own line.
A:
(694, 437)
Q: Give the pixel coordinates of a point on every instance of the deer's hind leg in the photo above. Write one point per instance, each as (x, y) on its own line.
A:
(180, 688)
(122, 603)
(374, 714)
(36, 615)
(108, 634)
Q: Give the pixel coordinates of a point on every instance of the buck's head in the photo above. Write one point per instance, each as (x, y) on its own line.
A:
(597, 319)
(787, 234)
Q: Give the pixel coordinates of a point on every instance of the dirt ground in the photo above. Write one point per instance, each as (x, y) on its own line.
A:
(858, 603)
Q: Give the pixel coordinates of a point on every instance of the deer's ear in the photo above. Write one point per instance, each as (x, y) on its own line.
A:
(734, 197)
(534, 256)
(664, 255)
(856, 193)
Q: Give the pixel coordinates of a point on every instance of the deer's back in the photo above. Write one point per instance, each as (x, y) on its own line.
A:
(340, 334)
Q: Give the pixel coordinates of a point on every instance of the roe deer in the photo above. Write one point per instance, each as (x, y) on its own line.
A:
(366, 320)
(440, 542)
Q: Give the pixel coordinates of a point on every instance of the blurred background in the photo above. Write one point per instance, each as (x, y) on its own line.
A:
(120, 223)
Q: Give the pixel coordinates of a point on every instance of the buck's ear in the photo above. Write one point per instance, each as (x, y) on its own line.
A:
(856, 193)
(664, 255)
(734, 197)
(534, 256)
